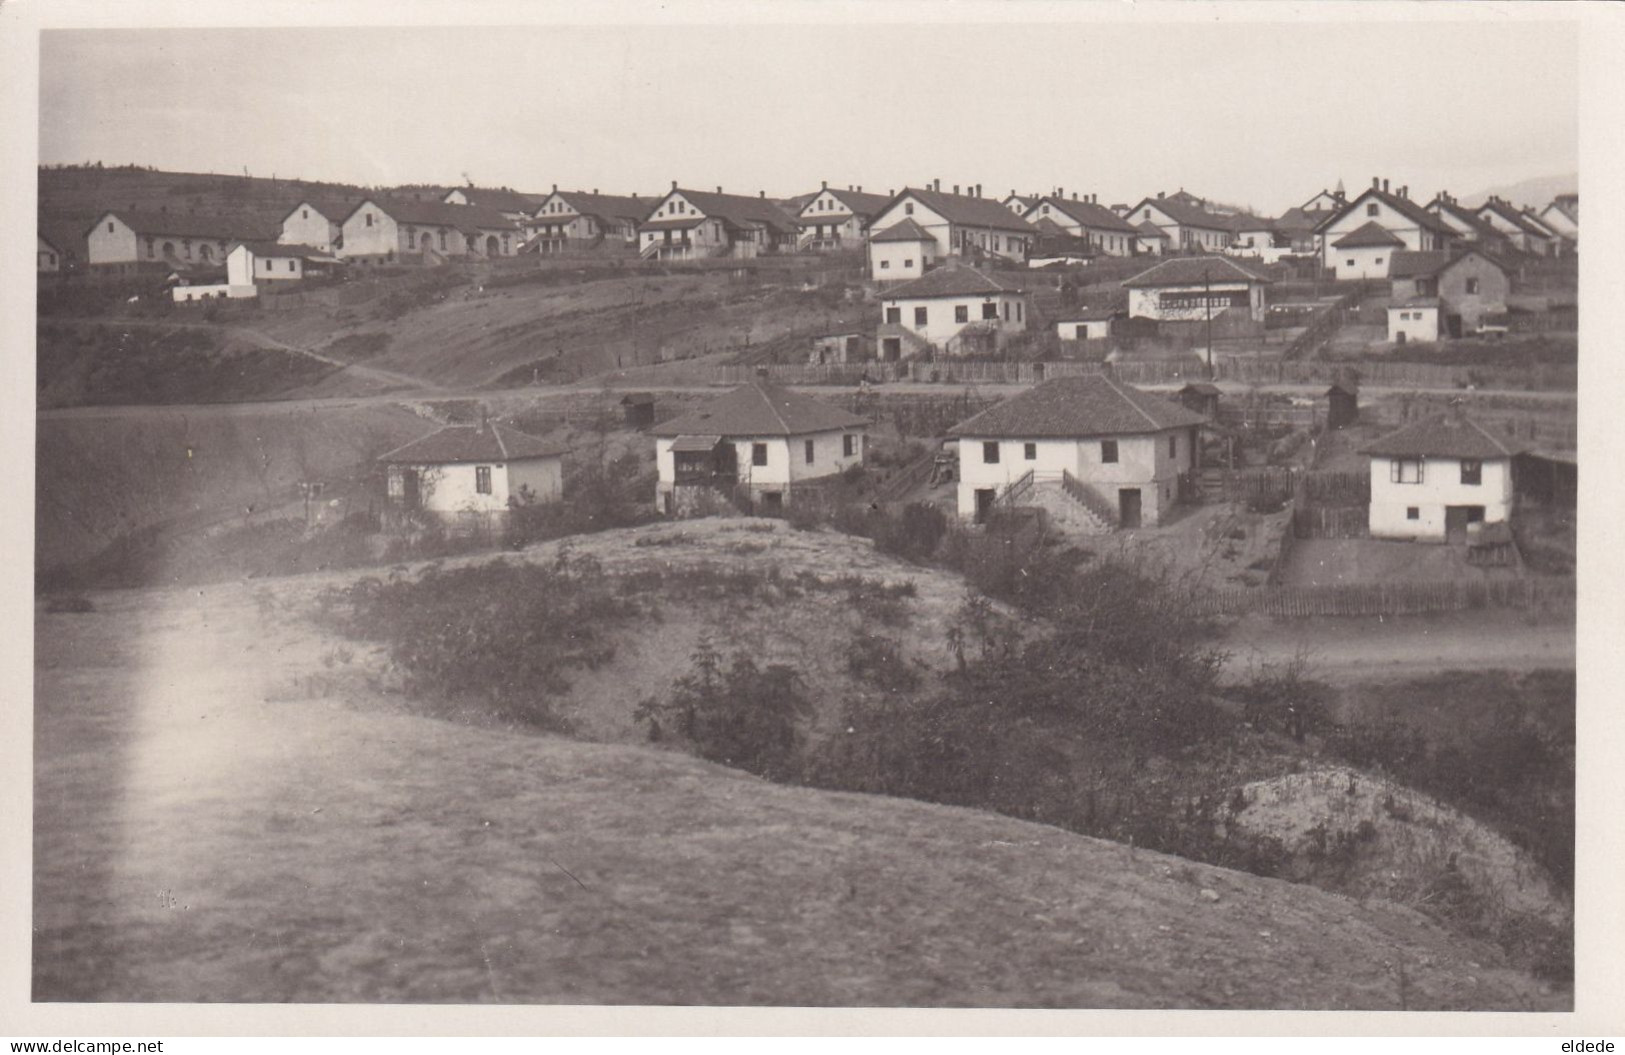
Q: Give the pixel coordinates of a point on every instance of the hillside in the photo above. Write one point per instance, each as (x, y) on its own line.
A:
(423, 860)
(1535, 192)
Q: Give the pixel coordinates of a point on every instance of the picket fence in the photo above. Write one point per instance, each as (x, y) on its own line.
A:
(1406, 598)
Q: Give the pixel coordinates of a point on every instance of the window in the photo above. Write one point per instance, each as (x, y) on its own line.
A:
(293, 265)
(908, 265)
(885, 265)
(1472, 471)
(849, 446)
(1351, 263)
(1018, 311)
(809, 449)
(961, 313)
(1371, 208)
(482, 479)
(758, 454)
(894, 315)
(1006, 311)
(1413, 513)
(304, 214)
(368, 217)
(1083, 333)
(1173, 446)
(908, 208)
(1405, 471)
(269, 264)
(1472, 285)
(919, 316)
(1029, 451)
(1108, 451)
(990, 310)
(1378, 260)
(990, 452)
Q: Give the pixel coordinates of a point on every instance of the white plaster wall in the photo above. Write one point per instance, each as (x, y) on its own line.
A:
(544, 477)
(307, 226)
(899, 261)
(1441, 486)
(1421, 325)
(940, 324)
(111, 241)
(360, 240)
(1362, 262)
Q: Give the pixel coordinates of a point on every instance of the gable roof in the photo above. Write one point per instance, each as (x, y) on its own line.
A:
(1297, 221)
(1193, 271)
(948, 282)
(333, 210)
(760, 409)
(1444, 436)
(738, 209)
(1404, 206)
(437, 214)
(497, 198)
(965, 210)
(1083, 405)
(67, 237)
(186, 225)
(1512, 216)
(1247, 222)
(1186, 214)
(473, 443)
(907, 231)
(1470, 219)
(282, 250)
(1410, 263)
(1086, 213)
(860, 203)
(1147, 229)
(1370, 234)
(603, 206)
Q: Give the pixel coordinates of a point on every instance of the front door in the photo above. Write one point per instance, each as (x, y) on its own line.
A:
(772, 502)
(891, 349)
(984, 503)
(1456, 519)
(1128, 507)
(411, 492)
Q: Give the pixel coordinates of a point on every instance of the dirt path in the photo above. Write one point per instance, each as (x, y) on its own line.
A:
(1405, 646)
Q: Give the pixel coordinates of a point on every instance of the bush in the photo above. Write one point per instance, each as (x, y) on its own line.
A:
(913, 535)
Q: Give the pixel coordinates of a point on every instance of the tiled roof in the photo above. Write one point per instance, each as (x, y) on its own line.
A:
(1193, 271)
(1086, 213)
(184, 225)
(760, 409)
(282, 250)
(1085, 405)
(949, 282)
(66, 236)
(1409, 263)
(1416, 302)
(500, 200)
(861, 203)
(1512, 216)
(741, 210)
(1444, 436)
(473, 443)
(966, 210)
(1296, 221)
(1087, 315)
(1404, 206)
(1472, 220)
(1370, 234)
(1148, 229)
(1186, 214)
(907, 231)
(603, 206)
(1202, 388)
(1243, 222)
(334, 210)
(439, 214)
(676, 223)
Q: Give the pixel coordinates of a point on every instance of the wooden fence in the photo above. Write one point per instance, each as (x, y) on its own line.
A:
(1310, 521)
(1333, 488)
(1405, 598)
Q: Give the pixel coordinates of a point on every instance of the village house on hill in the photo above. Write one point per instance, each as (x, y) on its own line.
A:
(1086, 218)
(582, 219)
(127, 237)
(466, 476)
(1524, 231)
(1020, 204)
(1189, 289)
(61, 247)
(692, 225)
(1410, 226)
(1188, 225)
(513, 205)
(1467, 228)
(1440, 480)
(759, 441)
(1463, 287)
(1562, 215)
(380, 231)
(901, 253)
(1114, 450)
(837, 219)
(317, 223)
(957, 310)
(963, 225)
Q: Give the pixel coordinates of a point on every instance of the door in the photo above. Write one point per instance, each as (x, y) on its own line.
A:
(772, 503)
(891, 349)
(984, 503)
(1456, 519)
(1128, 507)
(411, 491)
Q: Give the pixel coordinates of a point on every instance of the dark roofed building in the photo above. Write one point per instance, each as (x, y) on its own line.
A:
(1084, 218)
(513, 205)
(958, 310)
(582, 218)
(388, 230)
(136, 237)
(1187, 289)
(1441, 479)
(1189, 226)
(837, 218)
(690, 224)
(962, 225)
(469, 477)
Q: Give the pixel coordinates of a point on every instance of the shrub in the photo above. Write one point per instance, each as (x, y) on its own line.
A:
(914, 534)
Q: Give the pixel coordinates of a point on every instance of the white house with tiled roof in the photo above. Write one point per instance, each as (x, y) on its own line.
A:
(964, 225)
(901, 253)
(386, 231)
(1086, 218)
(691, 225)
(316, 223)
(1189, 289)
(1562, 215)
(837, 219)
(1114, 451)
(1394, 212)
(1520, 229)
(1189, 226)
(958, 310)
(471, 475)
(759, 441)
(580, 219)
(172, 239)
(1019, 203)
(512, 204)
(1436, 479)
(1150, 240)
(1365, 252)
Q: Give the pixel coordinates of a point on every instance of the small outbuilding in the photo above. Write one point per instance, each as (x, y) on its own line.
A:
(639, 408)
(468, 476)
(1342, 404)
(1444, 479)
(1202, 398)
(1415, 319)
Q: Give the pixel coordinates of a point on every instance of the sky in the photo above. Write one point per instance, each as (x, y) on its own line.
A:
(1260, 115)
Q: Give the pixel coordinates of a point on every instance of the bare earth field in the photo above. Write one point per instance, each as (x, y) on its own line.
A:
(223, 815)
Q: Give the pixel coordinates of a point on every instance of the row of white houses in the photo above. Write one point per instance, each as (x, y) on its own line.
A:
(1114, 452)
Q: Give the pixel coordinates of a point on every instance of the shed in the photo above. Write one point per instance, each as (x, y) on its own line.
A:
(1201, 397)
(1342, 405)
(639, 408)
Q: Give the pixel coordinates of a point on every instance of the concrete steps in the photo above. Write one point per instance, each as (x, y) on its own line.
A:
(1065, 513)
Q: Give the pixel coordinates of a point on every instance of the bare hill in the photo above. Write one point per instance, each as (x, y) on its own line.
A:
(217, 819)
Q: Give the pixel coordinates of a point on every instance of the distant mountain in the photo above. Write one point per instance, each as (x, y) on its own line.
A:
(1534, 192)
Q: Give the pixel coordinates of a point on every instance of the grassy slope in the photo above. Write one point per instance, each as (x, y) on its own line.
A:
(212, 824)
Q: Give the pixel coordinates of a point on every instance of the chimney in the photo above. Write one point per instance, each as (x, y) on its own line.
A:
(978, 190)
(761, 194)
(719, 190)
(936, 185)
(673, 184)
(860, 188)
(1385, 185)
(595, 190)
(823, 184)
(1074, 195)
(555, 188)
(956, 188)
(1376, 184)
